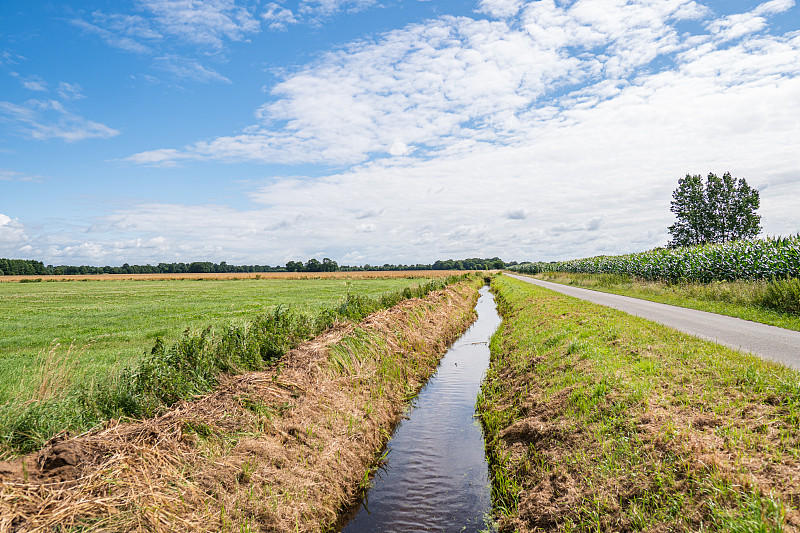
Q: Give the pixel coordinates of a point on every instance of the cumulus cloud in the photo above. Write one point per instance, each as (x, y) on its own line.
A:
(12, 234)
(516, 214)
(500, 8)
(557, 130)
(447, 83)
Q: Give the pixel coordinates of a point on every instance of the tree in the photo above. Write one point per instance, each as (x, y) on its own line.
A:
(313, 265)
(719, 210)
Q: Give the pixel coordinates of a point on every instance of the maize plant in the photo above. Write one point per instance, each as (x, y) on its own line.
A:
(761, 259)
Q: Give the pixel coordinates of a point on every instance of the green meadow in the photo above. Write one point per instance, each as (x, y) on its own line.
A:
(88, 329)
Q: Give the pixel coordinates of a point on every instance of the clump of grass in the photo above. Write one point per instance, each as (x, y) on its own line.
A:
(167, 374)
(783, 295)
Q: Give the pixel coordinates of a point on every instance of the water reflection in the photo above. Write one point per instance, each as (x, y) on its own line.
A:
(436, 477)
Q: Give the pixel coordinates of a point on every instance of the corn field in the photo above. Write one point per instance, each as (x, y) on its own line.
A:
(762, 259)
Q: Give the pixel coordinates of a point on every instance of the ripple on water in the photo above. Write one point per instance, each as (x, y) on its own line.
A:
(436, 477)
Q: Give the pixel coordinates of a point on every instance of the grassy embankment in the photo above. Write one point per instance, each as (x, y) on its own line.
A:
(281, 450)
(600, 421)
(170, 370)
(776, 303)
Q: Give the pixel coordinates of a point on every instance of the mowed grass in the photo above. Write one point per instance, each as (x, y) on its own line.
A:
(94, 328)
(601, 421)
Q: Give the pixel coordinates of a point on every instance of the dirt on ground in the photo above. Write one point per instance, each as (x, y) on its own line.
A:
(282, 450)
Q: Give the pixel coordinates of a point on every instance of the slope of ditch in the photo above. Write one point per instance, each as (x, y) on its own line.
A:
(282, 450)
(601, 421)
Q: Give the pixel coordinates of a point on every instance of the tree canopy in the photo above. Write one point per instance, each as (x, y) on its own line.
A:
(717, 210)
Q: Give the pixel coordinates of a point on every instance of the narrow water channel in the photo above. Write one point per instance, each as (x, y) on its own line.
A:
(436, 477)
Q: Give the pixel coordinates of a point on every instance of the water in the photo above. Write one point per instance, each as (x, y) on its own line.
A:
(436, 477)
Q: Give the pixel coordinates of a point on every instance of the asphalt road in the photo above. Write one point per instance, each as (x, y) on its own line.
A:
(768, 342)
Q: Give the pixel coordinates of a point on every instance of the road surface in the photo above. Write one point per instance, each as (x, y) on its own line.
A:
(768, 342)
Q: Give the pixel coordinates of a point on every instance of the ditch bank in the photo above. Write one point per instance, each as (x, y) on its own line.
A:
(281, 450)
(601, 421)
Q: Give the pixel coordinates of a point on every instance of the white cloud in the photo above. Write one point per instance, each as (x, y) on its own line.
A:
(451, 82)
(550, 134)
(35, 85)
(500, 8)
(278, 17)
(117, 39)
(166, 27)
(774, 6)
(158, 158)
(523, 150)
(188, 69)
(517, 214)
(11, 175)
(209, 23)
(12, 234)
(49, 119)
(204, 22)
(320, 9)
(70, 91)
(740, 24)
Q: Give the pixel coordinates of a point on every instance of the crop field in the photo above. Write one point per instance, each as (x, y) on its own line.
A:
(86, 330)
(763, 259)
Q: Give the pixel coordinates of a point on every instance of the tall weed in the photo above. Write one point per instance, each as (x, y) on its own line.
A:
(783, 295)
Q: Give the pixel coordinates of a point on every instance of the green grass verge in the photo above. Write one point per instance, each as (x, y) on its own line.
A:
(98, 327)
(600, 421)
(775, 303)
(171, 372)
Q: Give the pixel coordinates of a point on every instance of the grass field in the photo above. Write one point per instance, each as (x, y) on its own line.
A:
(748, 300)
(104, 325)
(601, 421)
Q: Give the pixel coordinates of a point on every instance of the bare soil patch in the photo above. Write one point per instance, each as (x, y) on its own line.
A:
(283, 450)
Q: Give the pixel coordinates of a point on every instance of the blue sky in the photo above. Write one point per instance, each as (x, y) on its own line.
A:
(371, 132)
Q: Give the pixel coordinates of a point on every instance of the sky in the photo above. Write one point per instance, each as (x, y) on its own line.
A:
(396, 131)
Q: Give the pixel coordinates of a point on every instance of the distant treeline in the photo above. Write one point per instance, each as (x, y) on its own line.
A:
(28, 267)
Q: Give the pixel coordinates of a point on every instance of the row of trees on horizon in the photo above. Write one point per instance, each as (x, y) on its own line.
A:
(29, 267)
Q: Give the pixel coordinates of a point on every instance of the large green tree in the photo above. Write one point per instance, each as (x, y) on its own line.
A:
(717, 210)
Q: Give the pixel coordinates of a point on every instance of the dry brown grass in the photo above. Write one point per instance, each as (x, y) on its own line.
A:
(411, 274)
(283, 450)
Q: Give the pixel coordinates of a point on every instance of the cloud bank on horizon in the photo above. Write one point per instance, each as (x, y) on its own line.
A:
(265, 133)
